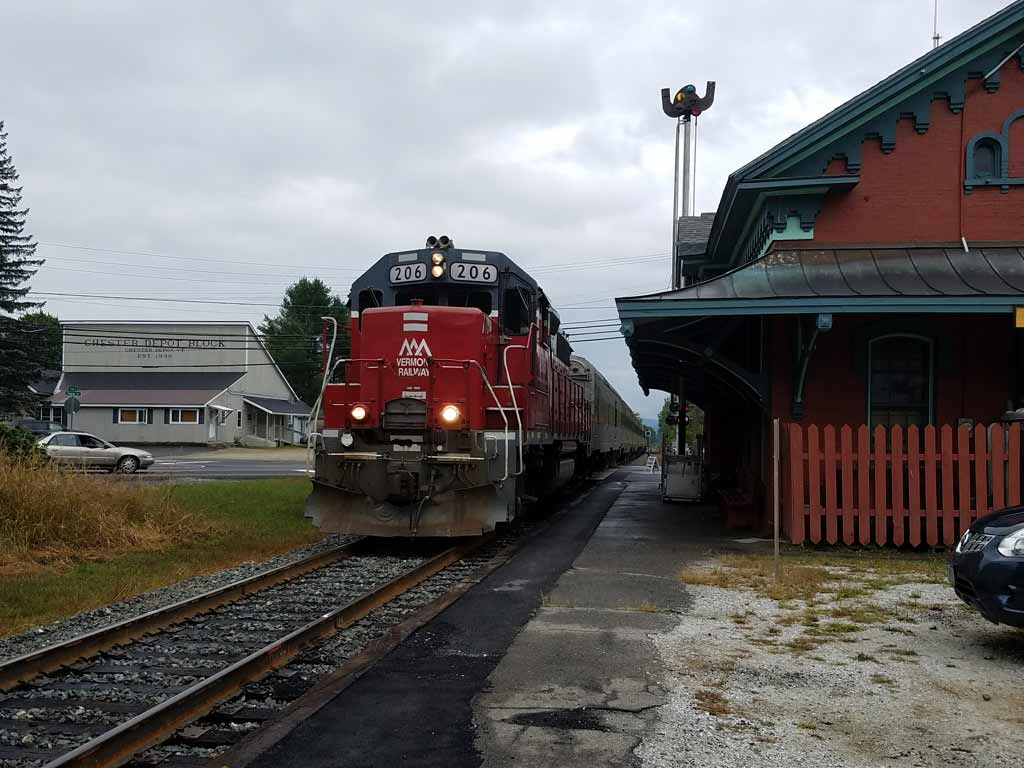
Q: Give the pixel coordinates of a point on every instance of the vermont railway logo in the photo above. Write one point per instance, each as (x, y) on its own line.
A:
(412, 358)
(414, 348)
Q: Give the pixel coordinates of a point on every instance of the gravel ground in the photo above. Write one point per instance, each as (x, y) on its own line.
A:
(927, 682)
(87, 621)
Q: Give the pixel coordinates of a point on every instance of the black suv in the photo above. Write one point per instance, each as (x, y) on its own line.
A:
(987, 567)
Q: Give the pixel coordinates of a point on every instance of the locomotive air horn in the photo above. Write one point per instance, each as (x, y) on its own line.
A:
(445, 242)
(431, 242)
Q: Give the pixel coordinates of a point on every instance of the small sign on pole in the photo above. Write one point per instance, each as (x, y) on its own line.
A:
(72, 405)
(73, 391)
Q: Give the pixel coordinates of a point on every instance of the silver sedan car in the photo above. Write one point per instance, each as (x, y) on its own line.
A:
(80, 449)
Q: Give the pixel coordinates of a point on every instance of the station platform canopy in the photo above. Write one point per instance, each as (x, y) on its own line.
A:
(683, 332)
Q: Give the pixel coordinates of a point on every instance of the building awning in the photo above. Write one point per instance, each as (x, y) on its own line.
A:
(695, 333)
(850, 280)
(158, 388)
(276, 407)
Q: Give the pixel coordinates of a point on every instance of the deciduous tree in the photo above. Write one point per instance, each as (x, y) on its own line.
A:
(293, 336)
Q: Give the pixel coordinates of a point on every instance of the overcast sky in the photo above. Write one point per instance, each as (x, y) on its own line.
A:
(308, 138)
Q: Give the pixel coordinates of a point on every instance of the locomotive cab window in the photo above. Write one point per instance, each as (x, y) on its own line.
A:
(446, 296)
(420, 293)
(515, 309)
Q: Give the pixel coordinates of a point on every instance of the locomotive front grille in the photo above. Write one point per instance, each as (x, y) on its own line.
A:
(405, 413)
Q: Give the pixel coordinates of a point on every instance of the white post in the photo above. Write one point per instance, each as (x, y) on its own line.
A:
(775, 490)
(675, 214)
(687, 170)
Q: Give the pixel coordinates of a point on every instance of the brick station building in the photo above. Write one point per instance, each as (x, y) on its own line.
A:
(863, 283)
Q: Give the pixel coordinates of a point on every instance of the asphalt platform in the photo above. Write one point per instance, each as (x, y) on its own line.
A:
(547, 662)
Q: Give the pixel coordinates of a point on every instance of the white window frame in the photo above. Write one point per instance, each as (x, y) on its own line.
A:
(175, 416)
(140, 414)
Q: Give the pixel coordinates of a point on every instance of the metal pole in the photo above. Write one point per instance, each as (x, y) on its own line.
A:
(687, 144)
(675, 214)
(775, 490)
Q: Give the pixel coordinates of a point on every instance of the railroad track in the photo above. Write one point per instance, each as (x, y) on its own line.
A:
(228, 658)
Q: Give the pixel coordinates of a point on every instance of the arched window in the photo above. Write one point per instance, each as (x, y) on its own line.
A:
(986, 159)
(900, 380)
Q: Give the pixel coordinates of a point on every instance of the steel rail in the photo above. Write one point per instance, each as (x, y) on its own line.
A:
(53, 657)
(120, 744)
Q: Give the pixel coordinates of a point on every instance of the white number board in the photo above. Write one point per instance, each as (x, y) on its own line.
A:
(469, 272)
(409, 273)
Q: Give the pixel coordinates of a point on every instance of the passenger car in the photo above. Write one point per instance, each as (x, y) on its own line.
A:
(987, 567)
(80, 449)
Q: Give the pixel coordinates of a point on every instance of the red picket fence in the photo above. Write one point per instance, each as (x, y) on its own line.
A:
(892, 487)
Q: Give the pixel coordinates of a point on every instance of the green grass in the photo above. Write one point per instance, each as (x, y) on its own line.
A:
(249, 520)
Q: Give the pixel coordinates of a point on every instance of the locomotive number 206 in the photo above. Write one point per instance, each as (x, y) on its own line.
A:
(409, 273)
(474, 273)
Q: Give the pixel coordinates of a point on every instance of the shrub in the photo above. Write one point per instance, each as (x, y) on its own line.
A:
(19, 444)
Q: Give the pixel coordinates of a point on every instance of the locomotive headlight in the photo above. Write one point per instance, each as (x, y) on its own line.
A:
(437, 259)
(450, 414)
(359, 413)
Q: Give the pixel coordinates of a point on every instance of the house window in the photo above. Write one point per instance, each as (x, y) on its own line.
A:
(900, 381)
(184, 415)
(239, 419)
(131, 416)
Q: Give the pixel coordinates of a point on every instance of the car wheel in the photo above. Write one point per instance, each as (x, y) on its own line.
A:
(127, 465)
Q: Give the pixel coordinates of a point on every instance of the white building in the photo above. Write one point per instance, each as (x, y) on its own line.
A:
(177, 382)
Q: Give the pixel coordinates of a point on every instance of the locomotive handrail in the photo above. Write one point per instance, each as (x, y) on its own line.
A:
(313, 434)
(512, 392)
(494, 395)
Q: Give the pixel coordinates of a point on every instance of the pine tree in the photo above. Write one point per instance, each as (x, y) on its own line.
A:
(20, 361)
(293, 336)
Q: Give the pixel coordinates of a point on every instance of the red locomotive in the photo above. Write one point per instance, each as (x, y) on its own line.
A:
(455, 403)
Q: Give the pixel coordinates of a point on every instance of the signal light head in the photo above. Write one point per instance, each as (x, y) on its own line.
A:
(450, 414)
(359, 412)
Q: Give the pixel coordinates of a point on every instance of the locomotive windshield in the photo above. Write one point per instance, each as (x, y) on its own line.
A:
(445, 295)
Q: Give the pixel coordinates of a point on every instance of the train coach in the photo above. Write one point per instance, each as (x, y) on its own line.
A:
(456, 402)
(616, 434)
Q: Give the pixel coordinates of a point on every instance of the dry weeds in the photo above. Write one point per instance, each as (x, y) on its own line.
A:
(50, 516)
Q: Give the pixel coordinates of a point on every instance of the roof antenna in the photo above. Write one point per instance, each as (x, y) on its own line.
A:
(936, 37)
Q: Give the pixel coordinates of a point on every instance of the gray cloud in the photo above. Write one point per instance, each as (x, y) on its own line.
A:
(322, 134)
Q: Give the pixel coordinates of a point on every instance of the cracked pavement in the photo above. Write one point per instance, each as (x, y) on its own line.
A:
(579, 686)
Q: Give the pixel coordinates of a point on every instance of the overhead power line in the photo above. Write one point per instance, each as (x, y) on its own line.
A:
(543, 268)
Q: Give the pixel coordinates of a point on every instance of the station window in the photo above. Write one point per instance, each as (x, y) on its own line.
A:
(900, 385)
(986, 159)
(184, 415)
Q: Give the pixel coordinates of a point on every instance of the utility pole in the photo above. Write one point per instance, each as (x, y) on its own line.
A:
(684, 106)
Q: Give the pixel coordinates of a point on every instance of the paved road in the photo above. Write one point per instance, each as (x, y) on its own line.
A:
(224, 469)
